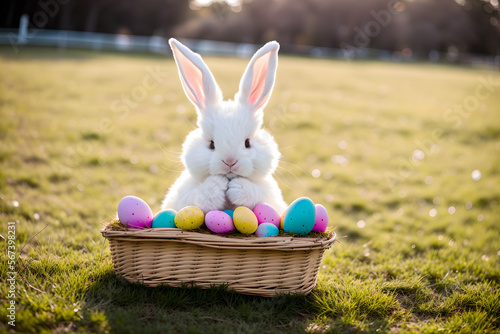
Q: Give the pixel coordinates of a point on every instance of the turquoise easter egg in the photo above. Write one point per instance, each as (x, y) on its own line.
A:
(164, 218)
(229, 212)
(300, 216)
(267, 230)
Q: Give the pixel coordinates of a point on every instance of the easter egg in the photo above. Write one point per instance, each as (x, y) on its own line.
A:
(321, 222)
(189, 218)
(229, 212)
(266, 214)
(281, 219)
(300, 216)
(133, 212)
(267, 230)
(244, 220)
(219, 222)
(164, 218)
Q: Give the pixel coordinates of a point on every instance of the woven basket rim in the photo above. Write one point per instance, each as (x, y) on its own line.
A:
(220, 241)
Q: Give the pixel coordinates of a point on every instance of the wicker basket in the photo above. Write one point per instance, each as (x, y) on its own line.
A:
(249, 265)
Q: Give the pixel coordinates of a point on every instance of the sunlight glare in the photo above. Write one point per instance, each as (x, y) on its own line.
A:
(327, 175)
(341, 159)
(342, 144)
(432, 212)
(476, 175)
(329, 198)
(316, 173)
(418, 155)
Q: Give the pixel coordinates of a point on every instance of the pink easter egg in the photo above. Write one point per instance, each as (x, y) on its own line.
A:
(321, 222)
(219, 222)
(266, 214)
(133, 212)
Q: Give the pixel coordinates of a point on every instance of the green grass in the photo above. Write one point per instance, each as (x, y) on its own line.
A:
(69, 152)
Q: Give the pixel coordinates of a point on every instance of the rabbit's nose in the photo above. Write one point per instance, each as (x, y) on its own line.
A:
(230, 162)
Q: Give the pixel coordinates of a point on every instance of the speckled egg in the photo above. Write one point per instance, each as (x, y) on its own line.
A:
(164, 218)
(219, 222)
(133, 212)
(266, 214)
(244, 220)
(321, 222)
(189, 218)
(267, 230)
(300, 216)
(229, 212)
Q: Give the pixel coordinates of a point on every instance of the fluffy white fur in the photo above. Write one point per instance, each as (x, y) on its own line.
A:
(231, 174)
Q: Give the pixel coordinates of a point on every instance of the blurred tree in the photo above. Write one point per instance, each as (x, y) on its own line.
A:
(147, 17)
(416, 26)
(420, 26)
(486, 27)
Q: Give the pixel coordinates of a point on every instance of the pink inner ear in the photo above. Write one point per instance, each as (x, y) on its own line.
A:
(192, 79)
(259, 77)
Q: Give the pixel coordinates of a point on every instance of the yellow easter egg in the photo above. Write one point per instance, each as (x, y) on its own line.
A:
(189, 218)
(282, 219)
(244, 220)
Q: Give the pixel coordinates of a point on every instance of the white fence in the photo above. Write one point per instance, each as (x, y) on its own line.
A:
(116, 42)
(17, 39)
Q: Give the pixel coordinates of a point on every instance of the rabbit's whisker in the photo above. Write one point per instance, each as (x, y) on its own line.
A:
(283, 176)
(187, 119)
(284, 148)
(166, 150)
(295, 176)
(286, 162)
(170, 170)
(171, 154)
(282, 179)
(173, 160)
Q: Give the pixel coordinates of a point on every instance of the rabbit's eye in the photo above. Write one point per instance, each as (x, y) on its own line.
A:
(212, 145)
(247, 143)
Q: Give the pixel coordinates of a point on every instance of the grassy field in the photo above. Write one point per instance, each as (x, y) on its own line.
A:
(406, 158)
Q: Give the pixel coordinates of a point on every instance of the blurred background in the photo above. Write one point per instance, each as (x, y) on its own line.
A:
(401, 145)
(446, 30)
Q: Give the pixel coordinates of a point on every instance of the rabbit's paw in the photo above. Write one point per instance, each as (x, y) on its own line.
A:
(212, 193)
(242, 192)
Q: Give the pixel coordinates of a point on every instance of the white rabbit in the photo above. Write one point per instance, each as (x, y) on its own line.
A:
(229, 158)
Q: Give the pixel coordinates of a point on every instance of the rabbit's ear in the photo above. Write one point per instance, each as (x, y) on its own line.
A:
(258, 80)
(197, 80)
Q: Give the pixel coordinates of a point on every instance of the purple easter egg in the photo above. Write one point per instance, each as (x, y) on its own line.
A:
(321, 222)
(133, 212)
(219, 222)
